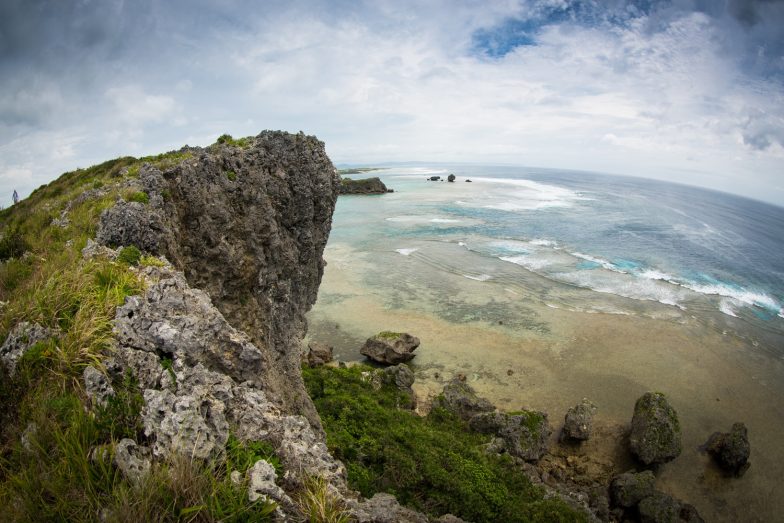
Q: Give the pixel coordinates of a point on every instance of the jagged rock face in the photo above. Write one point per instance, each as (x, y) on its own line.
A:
(21, 338)
(731, 449)
(248, 227)
(578, 421)
(458, 397)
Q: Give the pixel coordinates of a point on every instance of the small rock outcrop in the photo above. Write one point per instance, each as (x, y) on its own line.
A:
(459, 398)
(384, 508)
(434, 178)
(364, 186)
(521, 434)
(318, 354)
(132, 460)
(450, 178)
(390, 348)
(578, 421)
(731, 449)
(656, 432)
(629, 488)
(21, 338)
(96, 385)
(400, 376)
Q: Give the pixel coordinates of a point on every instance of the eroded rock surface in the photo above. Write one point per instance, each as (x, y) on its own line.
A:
(731, 449)
(390, 348)
(522, 434)
(656, 432)
(247, 226)
(578, 421)
(21, 338)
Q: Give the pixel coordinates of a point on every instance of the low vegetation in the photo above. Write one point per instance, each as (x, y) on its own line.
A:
(433, 464)
(56, 450)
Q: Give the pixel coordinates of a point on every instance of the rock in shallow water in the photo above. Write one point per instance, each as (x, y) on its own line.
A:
(731, 449)
(656, 432)
(390, 348)
(459, 398)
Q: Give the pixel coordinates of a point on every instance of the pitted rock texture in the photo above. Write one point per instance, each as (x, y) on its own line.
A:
(21, 338)
(656, 432)
(209, 387)
(460, 398)
(731, 449)
(247, 226)
(390, 348)
(523, 434)
(578, 421)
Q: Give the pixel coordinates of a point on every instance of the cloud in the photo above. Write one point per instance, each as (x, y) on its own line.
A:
(663, 89)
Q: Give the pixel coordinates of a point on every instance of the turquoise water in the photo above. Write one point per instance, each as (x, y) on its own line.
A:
(717, 256)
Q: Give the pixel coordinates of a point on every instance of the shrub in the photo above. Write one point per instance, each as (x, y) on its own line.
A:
(434, 464)
(12, 244)
(231, 175)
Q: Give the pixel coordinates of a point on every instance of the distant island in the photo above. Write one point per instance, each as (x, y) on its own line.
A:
(359, 170)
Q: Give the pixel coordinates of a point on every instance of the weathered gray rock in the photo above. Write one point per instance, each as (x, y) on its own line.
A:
(450, 178)
(131, 223)
(261, 485)
(384, 508)
(363, 186)
(96, 385)
(629, 488)
(731, 449)
(21, 338)
(578, 421)
(390, 348)
(656, 432)
(659, 508)
(96, 250)
(459, 398)
(133, 460)
(525, 434)
(318, 354)
(449, 518)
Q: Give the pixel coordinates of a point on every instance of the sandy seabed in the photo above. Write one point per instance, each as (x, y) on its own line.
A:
(523, 353)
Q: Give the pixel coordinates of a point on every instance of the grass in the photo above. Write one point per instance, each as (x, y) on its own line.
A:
(388, 335)
(64, 471)
(319, 504)
(231, 175)
(138, 196)
(433, 464)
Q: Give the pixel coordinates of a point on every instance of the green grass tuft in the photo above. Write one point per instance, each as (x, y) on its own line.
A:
(130, 255)
(231, 175)
(139, 196)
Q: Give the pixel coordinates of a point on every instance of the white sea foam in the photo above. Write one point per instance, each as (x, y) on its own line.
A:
(421, 219)
(444, 220)
(653, 274)
(542, 243)
(529, 262)
(461, 244)
(600, 261)
(627, 287)
(529, 195)
(726, 306)
(406, 252)
(481, 277)
(738, 294)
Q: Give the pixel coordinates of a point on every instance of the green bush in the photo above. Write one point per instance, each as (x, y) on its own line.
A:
(231, 175)
(12, 244)
(130, 255)
(433, 464)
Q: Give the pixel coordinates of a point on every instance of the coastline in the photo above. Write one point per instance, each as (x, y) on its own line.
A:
(711, 378)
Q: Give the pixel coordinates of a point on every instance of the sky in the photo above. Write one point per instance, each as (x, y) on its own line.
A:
(690, 91)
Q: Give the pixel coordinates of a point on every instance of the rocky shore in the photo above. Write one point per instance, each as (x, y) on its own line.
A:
(363, 186)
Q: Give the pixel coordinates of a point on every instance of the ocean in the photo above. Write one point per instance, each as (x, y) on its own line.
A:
(546, 286)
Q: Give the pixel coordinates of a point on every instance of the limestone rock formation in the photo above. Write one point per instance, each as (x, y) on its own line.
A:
(132, 460)
(96, 385)
(384, 508)
(656, 432)
(400, 376)
(731, 449)
(247, 226)
(21, 338)
(579, 421)
(364, 186)
(450, 178)
(521, 434)
(459, 398)
(390, 348)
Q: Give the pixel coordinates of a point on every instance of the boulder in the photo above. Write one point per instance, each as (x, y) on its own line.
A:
(579, 421)
(318, 354)
(133, 460)
(468, 180)
(629, 488)
(731, 449)
(459, 398)
(390, 348)
(524, 434)
(435, 178)
(656, 432)
(400, 376)
(659, 508)
(450, 178)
